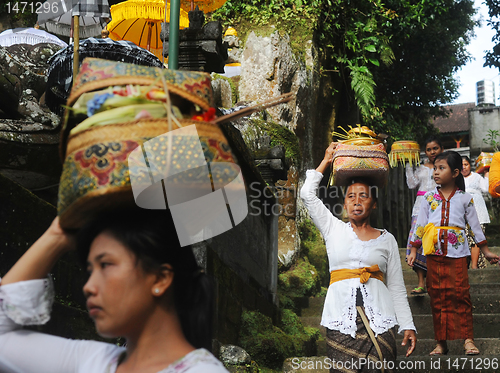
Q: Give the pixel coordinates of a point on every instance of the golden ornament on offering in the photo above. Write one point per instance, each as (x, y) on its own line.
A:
(483, 162)
(404, 151)
(361, 153)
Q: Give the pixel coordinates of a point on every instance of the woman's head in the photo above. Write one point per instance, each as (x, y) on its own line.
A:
(136, 264)
(360, 199)
(433, 146)
(466, 166)
(448, 169)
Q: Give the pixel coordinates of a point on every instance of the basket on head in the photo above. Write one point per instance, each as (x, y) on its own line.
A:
(404, 151)
(366, 161)
(483, 162)
(155, 163)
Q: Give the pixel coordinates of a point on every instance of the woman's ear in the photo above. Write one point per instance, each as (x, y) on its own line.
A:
(164, 280)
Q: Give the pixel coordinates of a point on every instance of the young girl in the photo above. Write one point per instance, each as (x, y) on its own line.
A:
(476, 185)
(440, 229)
(422, 178)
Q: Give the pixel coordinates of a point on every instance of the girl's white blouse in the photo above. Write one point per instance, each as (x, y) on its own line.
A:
(421, 177)
(476, 185)
(385, 306)
(26, 351)
(452, 212)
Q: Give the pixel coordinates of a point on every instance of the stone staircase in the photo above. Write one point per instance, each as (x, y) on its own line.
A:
(485, 295)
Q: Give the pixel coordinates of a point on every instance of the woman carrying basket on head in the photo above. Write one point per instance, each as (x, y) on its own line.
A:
(142, 286)
(360, 311)
(421, 177)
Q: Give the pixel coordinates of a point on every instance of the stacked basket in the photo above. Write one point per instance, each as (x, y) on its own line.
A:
(118, 110)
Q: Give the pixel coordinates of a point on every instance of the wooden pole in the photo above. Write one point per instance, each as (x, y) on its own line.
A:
(76, 45)
(173, 39)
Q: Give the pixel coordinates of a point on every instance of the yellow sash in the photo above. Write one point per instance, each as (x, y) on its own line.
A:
(363, 273)
(430, 238)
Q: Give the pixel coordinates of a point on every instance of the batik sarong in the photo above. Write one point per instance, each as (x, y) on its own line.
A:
(346, 353)
(448, 287)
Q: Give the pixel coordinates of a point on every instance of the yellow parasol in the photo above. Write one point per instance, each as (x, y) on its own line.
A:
(139, 21)
(206, 6)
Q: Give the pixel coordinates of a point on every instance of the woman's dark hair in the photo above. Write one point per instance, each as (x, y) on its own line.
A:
(464, 157)
(454, 160)
(435, 139)
(151, 236)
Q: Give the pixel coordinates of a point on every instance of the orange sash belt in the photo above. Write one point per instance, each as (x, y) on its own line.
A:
(363, 273)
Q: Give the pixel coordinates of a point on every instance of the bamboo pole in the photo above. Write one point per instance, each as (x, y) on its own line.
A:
(76, 45)
(173, 40)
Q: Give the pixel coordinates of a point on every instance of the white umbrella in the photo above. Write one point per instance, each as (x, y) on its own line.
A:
(29, 36)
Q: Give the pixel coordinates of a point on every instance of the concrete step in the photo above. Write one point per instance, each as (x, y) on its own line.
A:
(406, 267)
(487, 346)
(481, 303)
(476, 276)
(487, 288)
(412, 364)
(485, 325)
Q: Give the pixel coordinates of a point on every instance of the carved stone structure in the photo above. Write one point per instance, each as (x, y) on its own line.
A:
(200, 47)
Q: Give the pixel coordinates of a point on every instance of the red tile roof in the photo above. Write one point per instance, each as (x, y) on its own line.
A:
(457, 120)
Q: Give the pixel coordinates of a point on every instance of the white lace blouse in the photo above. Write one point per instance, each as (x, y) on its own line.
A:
(421, 177)
(26, 351)
(385, 306)
(476, 185)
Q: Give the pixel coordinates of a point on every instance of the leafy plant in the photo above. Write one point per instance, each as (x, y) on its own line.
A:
(491, 139)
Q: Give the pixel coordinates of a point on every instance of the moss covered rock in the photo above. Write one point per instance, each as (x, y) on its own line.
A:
(270, 345)
(313, 247)
(302, 280)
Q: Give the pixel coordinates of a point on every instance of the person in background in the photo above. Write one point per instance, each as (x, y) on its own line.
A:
(440, 230)
(421, 177)
(475, 185)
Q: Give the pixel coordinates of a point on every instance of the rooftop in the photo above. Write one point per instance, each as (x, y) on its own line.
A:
(457, 120)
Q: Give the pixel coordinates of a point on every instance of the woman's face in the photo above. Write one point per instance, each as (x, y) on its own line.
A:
(118, 291)
(465, 168)
(432, 149)
(359, 202)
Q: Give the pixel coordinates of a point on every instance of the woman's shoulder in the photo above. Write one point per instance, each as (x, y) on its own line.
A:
(197, 361)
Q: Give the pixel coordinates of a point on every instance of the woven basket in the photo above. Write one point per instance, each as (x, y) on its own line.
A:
(404, 151)
(96, 174)
(368, 161)
(96, 74)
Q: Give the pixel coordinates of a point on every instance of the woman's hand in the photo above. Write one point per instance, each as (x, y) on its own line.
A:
(490, 257)
(328, 158)
(39, 259)
(412, 337)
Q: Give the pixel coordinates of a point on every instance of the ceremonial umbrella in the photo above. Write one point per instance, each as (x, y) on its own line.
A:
(60, 77)
(29, 36)
(70, 12)
(139, 21)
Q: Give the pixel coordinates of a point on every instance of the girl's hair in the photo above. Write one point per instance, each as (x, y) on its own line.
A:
(464, 157)
(151, 236)
(454, 160)
(435, 139)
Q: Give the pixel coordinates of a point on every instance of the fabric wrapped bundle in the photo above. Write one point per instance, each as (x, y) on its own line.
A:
(126, 146)
(366, 161)
(404, 151)
(483, 162)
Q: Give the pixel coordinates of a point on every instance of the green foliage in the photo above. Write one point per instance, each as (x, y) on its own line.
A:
(312, 246)
(24, 11)
(493, 57)
(491, 139)
(269, 345)
(301, 280)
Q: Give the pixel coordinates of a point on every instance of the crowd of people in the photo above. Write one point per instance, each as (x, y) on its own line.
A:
(446, 239)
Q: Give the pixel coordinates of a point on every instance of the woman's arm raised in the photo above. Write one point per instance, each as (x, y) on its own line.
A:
(39, 259)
